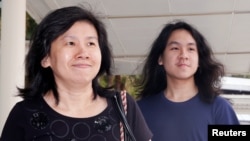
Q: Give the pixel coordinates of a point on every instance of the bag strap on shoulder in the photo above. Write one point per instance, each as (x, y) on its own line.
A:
(120, 100)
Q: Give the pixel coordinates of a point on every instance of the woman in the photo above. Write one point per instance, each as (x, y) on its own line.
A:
(62, 99)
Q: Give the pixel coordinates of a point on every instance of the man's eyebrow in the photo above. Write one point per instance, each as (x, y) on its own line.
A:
(177, 43)
(173, 43)
(192, 44)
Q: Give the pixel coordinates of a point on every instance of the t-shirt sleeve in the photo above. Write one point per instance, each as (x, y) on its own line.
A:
(224, 111)
(137, 121)
(12, 130)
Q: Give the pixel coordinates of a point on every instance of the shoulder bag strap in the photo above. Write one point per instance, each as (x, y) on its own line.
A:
(120, 100)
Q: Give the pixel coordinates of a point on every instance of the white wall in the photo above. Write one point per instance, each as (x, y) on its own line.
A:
(12, 54)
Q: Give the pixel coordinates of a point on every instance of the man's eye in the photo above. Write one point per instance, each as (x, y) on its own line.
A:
(174, 48)
(91, 44)
(71, 43)
(192, 49)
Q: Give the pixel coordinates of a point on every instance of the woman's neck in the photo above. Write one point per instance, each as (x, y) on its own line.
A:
(76, 104)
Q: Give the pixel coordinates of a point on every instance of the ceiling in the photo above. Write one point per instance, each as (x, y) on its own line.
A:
(132, 26)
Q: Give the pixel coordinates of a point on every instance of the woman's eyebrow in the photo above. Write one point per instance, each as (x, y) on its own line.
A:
(92, 37)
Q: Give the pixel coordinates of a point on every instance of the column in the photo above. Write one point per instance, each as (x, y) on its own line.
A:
(12, 52)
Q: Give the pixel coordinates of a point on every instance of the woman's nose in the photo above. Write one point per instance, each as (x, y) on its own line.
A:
(82, 52)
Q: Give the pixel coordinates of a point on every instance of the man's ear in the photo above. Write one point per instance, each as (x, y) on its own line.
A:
(45, 62)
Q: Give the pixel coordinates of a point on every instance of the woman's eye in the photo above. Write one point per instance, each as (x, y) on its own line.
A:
(71, 43)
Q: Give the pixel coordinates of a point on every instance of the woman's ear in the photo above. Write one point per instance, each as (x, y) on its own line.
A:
(160, 61)
(45, 62)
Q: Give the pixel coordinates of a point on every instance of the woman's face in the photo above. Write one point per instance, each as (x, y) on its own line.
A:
(180, 57)
(75, 56)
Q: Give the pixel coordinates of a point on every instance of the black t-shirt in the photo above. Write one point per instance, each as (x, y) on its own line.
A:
(36, 121)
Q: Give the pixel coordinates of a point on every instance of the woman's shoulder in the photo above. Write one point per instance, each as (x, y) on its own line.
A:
(28, 105)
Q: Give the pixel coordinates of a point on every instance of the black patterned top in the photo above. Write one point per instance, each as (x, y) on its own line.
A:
(37, 121)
